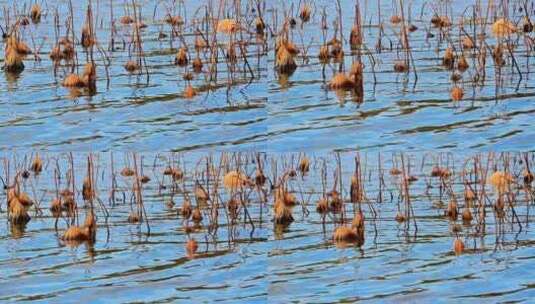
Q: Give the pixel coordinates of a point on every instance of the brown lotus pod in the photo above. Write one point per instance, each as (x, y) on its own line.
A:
(66, 193)
(170, 203)
(457, 94)
(174, 20)
(499, 205)
(284, 60)
(37, 165)
(501, 181)
(55, 207)
(497, 55)
(201, 196)
(68, 204)
(134, 217)
(503, 28)
(305, 12)
(18, 214)
(344, 233)
(197, 65)
(451, 211)
(87, 232)
(73, 81)
(189, 92)
(76, 233)
(355, 37)
(87, 40)
(196, 216)
(186, 209)
(440, 172)
(292, 173)
(227, 26)
(181, 58)
(126, 20)
(341, 81)
(233, 206)
(356, 72)
(469, 195)
(304, 165)
(127, 172)
(445, 21)
(292, 22)
(288, 45)
(63, 41)
(68, 52)
(322, 206)
(467, 215)
(288, 198)
(528, 177)
(260, 26)
(24, 199)
(200, 43)
(455, 77)
(435, 20)
(467, 43)
(55, 54)
(401, 66)
(456, 228)
(527, 26)
(168, 171)
(395, 171)
(458, 246)
(35, 13)
(13, 62)
(260, 178)
(324, 54)
(462, 64)
(336, 203)
(177, 174)
(449, 58)
(337, 52)
(24, 21)
(87, 189)
(395, 19)
(89, 76)
(191, 247)
(400, 217)
(282, 213)
(25, 174)
(235, 180)
(187, 76)
(358, 222)
(131, 66)
(231, 55)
